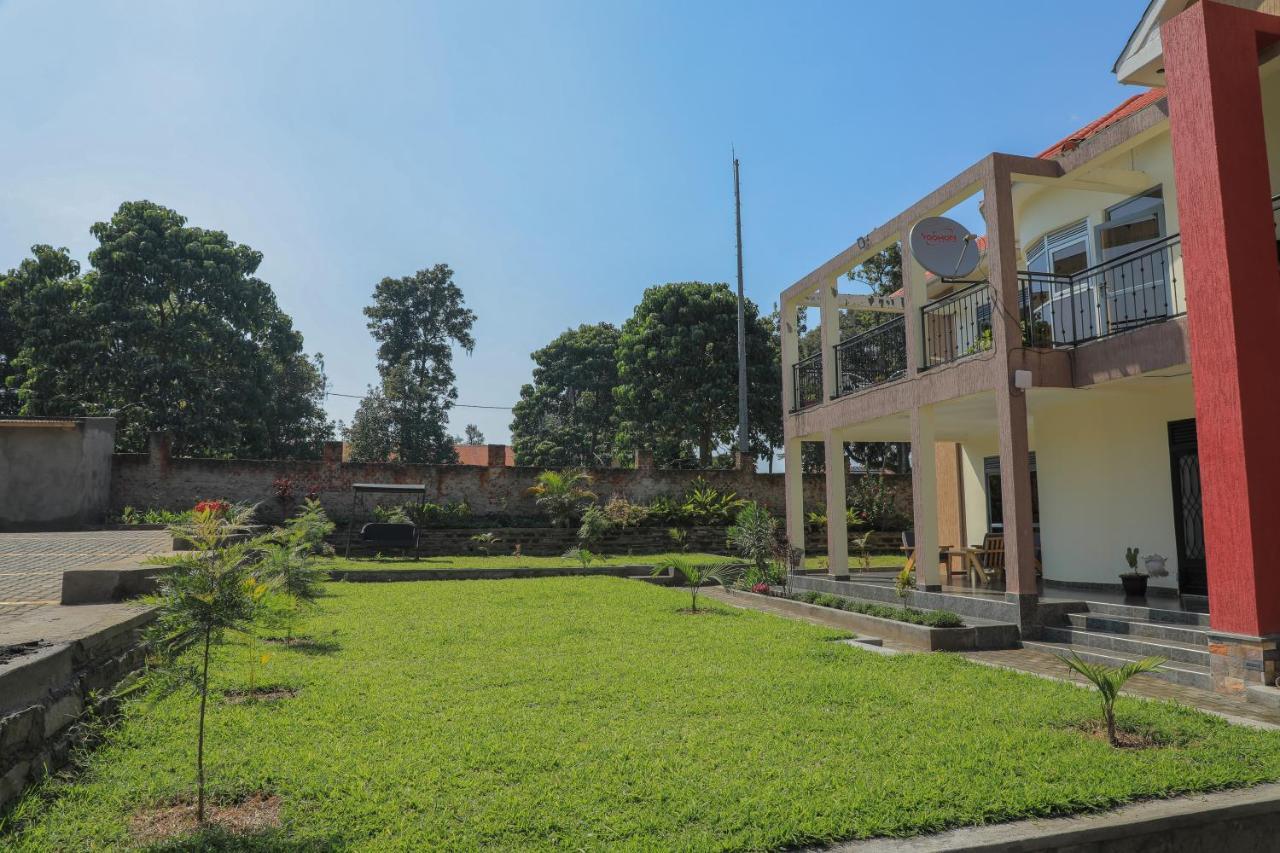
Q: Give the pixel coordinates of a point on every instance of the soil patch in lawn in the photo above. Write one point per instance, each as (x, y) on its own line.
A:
(305, 644)
(264, 693)
(1128, 738)
(251, 815)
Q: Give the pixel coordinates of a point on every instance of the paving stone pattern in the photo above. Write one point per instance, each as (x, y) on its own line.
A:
(31, 564)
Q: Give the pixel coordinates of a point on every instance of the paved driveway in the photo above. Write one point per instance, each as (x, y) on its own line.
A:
(31, 564)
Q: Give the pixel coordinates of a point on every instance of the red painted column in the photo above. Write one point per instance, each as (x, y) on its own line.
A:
(1233, 301)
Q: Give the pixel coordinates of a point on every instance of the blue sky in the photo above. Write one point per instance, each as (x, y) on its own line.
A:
(561, 157)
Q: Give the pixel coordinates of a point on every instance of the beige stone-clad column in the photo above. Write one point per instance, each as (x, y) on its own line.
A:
(793, 470)
(837, 502)
(924, 497)
(830, 333)
(1011, 403)
(793, 474)
(915, 296)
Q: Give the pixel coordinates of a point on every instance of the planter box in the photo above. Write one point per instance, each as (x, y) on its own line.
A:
(963, 639)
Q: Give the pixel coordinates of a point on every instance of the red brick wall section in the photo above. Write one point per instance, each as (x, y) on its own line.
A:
(1233, 311)
(142, 481)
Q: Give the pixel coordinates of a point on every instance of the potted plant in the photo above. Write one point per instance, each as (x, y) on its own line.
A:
(1134, 581)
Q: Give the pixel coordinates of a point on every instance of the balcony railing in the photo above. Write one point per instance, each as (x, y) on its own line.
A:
(956, 326)
(1134, 289)
(873, 357)
(806, 376)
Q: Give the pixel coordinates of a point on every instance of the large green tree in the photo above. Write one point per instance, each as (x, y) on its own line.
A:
(567, 415)
(170, 330)
(416, 320)
(678, 374)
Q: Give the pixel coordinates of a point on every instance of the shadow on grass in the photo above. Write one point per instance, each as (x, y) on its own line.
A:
(217, 838)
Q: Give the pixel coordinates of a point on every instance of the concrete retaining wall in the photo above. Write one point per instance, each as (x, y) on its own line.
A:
(55, 474)
(44, 693)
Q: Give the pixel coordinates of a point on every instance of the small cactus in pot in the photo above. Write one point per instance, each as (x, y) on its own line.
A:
(1134, 581)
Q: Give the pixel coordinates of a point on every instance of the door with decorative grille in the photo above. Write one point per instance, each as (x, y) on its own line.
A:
(1188, 517)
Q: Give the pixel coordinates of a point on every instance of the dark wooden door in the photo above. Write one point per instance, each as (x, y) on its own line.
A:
(1188, 518)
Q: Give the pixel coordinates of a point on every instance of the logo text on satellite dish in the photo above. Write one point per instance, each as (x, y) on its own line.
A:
(944, 247)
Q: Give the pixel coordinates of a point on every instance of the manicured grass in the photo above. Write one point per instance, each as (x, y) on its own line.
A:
(392, 563)
(465, 561)
(590, 713)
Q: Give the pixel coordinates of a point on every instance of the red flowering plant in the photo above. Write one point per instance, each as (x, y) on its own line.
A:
(216, 509)
(762, 588)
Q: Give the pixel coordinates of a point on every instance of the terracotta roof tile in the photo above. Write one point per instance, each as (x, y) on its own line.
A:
(1128, 108)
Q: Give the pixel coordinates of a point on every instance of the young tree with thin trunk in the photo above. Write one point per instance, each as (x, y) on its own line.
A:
(206, 592)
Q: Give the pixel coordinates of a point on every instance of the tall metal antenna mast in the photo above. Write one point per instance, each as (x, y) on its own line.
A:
(743, 439)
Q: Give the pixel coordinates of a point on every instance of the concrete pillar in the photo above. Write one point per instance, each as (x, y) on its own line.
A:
(744, 462)
(1229, 260)
(837, 503)
(793, 474)
(830, 332)
(916, 295)
(644, 459)
(331, 453)
(1011, 403)
(924, 497)
(159, 449)
(1015, 493)
(790, 354)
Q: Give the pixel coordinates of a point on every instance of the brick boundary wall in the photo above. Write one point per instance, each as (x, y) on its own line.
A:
(158, 480)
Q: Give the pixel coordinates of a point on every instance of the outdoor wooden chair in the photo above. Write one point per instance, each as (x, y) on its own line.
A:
(909, 549)
(988, 561)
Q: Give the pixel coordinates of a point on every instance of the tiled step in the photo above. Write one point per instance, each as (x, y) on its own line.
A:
(1148, 614)
(1189, 674)
(1137, 647)
(1192, 634)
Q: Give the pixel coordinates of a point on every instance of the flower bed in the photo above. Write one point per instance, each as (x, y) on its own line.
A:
(928, 618)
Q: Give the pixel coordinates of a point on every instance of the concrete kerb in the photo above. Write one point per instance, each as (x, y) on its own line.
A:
(641, 572)
(110, 583)
(1234, 821)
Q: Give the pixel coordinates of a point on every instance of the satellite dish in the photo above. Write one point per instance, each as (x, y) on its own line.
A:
(944, 247)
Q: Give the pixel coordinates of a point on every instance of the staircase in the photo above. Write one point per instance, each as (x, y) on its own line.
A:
(1115, 634)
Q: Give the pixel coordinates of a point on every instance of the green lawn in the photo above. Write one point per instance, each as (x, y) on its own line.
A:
(589, 713)
(507, 562)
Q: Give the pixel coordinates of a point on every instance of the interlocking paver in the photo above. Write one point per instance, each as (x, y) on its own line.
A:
(31, 564)
(1045, 665)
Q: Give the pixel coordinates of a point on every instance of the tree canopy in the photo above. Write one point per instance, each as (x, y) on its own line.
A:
(567, 415)
(170, 330)
(416, 320)
(677, 387)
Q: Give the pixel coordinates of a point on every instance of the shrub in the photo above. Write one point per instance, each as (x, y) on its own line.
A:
(562, 495)
(485, 542)
(871, 501)
(448, 514)
(583, 556)
(930, 618)
(623, 513)
(595, 524)
(705, 505)
(664, 510)
(754, 535)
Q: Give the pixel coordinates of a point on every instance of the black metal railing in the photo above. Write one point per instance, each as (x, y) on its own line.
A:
(956, 326)
(873, 357)
(806, 376)
(1134, 289)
